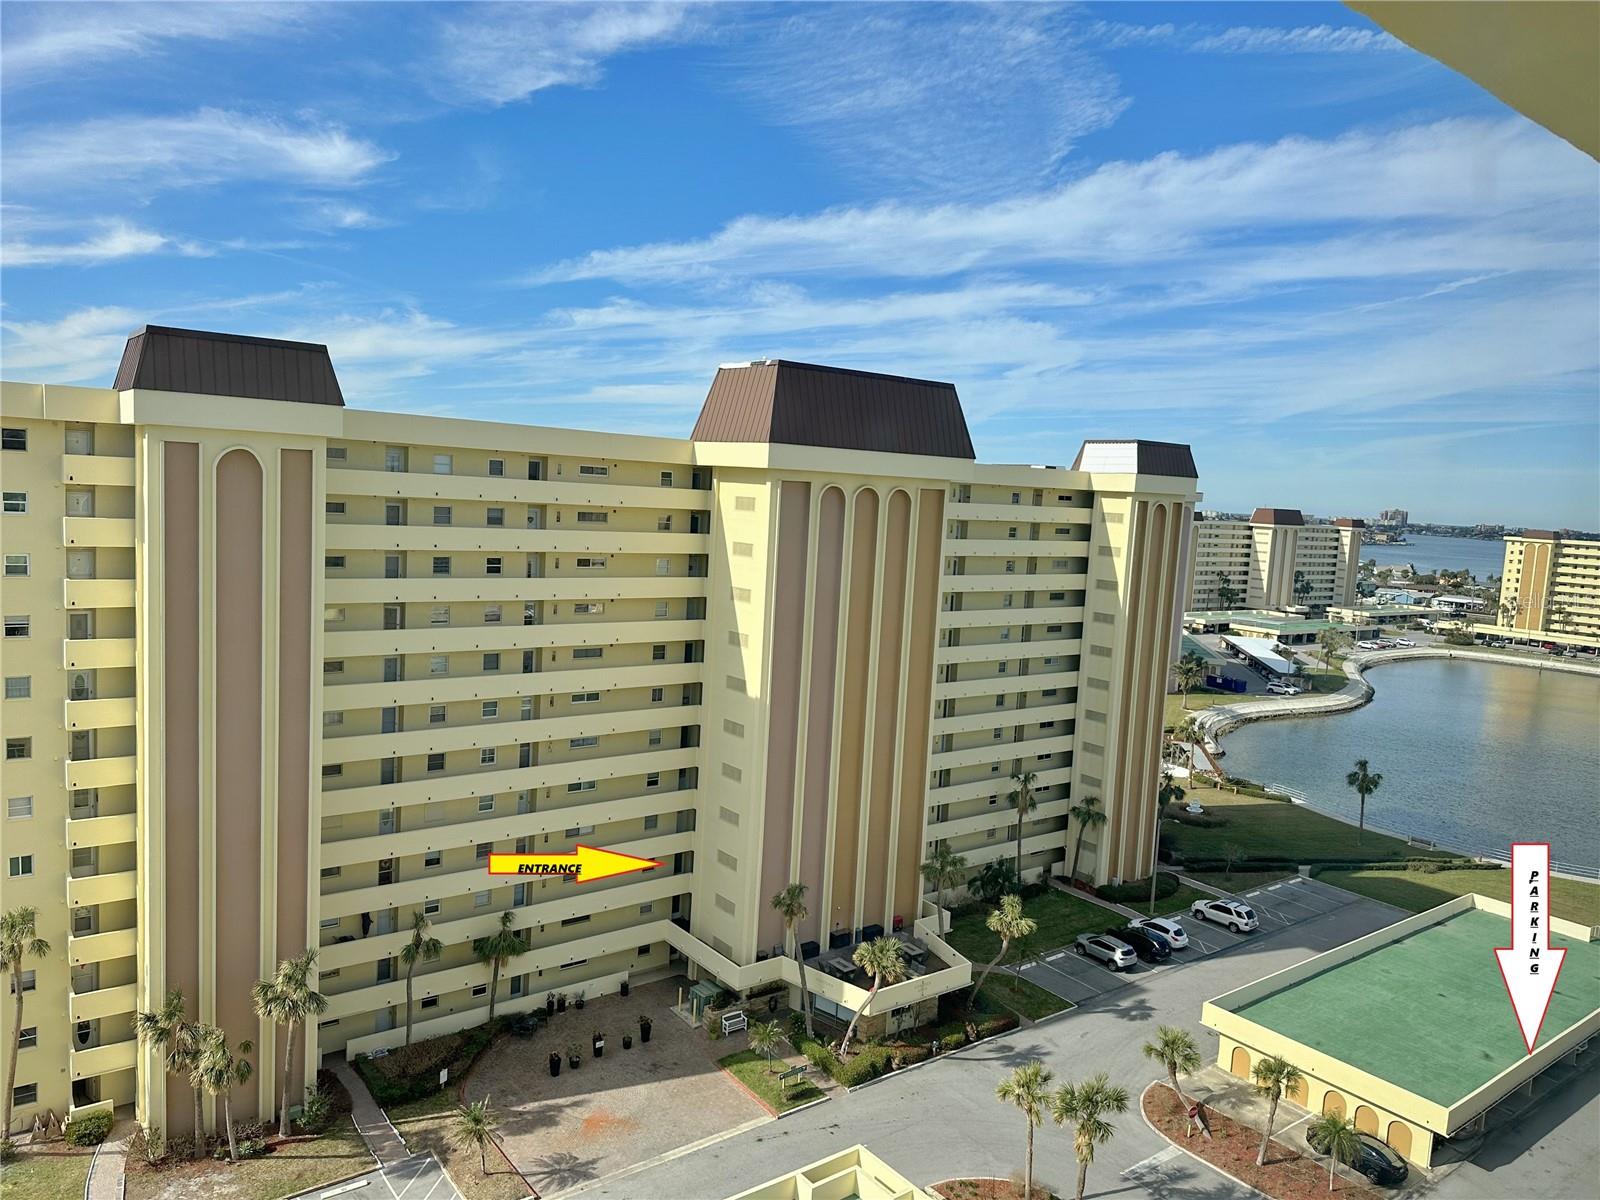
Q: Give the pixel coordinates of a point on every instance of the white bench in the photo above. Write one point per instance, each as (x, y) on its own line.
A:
(734, 1021)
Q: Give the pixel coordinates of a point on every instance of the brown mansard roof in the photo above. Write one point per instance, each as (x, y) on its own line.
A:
(1172, 459)
(1277, 516)
(806, 405)
(226, 364)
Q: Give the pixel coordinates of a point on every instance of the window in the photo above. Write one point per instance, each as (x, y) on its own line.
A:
(436, 760)
(19, 865)
(439, 614)
(332, 873)
(430, 908)
(497, 466)
(19, 808)
(26, 983)
(333, 562)
(482, 851)
(588, 652)
(495, 516)
(1016, 497)
(335, 615)
(584, 697)
(24, 1093)
(581, 785)
(588, 610)
(436, 714)
(332, 770)
(394, 458)
(492, 566)
(19, 748)
(999, 701)
(16, 564)
(429, 1002)
(593, 518)
(664, 524)
(491, 662)
(442, 514)
(655, 737)
(13, 439)
(443, 464)
(27, 1037)
(486, 756)
(441, 564)
(657, 695)
(19, 687)
(593, 469)
(590, 562)
(661, 610)
(433, 858)
(653, 779)
(14, 502)
(490, 710)
(334, 507)
(581, 743)
(666, 476)
(658, 654)
(338, 453)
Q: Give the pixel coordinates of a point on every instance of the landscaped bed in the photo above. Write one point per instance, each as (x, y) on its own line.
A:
(1061, 918)
(1027, 999)
(48, 1171)
(761, 1077)
(989, 1189)
(427, 1125)
(1240, 881)
(1233, 1147)
(288, 1167)
(409, 1073)
(1418, 889)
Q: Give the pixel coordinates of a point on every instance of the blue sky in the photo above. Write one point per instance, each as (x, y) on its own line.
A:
(1350, 278)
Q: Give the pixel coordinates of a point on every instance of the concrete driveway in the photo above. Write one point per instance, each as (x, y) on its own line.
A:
(942, 1120)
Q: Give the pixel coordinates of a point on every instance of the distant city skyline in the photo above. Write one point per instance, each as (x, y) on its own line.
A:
(1349, 277)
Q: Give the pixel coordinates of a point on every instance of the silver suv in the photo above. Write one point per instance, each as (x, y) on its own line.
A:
(1119, 956)
(1235, 914)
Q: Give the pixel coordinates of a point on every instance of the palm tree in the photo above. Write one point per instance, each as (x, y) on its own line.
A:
(219, 1069)
(764, 1037)
(1365, 783)
(1088, 814)
(1189, 674)
(791, 902)
(498, 949)
(423, 947)
(884, 959)
(1085, 1107)
(19, 939)
(1273, 1076)
(943, 870)
(1189, 733)
(1028, 1087)
(1009, 925)
(289, 999)
(1335, 1135)
(1022, 801)
(1332, 642)
(1175, 1050)
(1170, 792)
(1227, 594)
(170, 1030)
(475, 1126)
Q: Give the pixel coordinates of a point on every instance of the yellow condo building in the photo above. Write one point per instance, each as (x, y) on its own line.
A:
(281, 673)
(1275, 560)
(1549, 590)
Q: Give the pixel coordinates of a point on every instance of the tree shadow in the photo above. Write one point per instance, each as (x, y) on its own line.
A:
(558, 1172)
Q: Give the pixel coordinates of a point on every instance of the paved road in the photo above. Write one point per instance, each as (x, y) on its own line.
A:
(942, 1119)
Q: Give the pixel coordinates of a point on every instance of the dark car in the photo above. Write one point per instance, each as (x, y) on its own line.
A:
(1374, 1159)
(1150, 947)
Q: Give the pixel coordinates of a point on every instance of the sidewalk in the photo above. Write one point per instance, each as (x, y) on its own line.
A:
(105, 1180)
(372, 1123)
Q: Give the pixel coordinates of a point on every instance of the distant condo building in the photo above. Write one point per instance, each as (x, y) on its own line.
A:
(1394, 518)
(281, 673)
(1550, 588)
(1274, 560)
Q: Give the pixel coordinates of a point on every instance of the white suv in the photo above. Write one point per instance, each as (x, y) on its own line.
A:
(1235, 914)
(1279, 688)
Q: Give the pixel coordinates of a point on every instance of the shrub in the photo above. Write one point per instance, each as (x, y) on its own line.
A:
(821, 1057)
(910, 1056)
(148, 1145)
(89, 1130)
(995, 879)
(1001, 1023)
(316, 1114)
(1139, 889)
(8, 1151)
(797, 1029)
(412, 1072)
(953, 1041)
(868, 1063)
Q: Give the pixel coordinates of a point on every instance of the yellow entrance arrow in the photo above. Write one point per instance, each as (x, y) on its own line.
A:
(583, 865)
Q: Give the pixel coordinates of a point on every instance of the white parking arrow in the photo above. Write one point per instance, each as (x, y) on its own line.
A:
(1530, 966)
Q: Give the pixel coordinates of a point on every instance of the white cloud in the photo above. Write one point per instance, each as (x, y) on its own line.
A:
(102, 242)
(207, 146)
(501, 53)
(331, 216)
(82, 347)
(43, 40)
(1305, 39)
(1155, 211)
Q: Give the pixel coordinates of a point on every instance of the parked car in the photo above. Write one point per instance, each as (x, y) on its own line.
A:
(1367, 644)
(1235, 914)
(1386, 643)
(1117, 955)
(1404, 643)
(1150, 947)
(1165, 928)
(1278, 688)
(1374, 1159)
(1496, 643)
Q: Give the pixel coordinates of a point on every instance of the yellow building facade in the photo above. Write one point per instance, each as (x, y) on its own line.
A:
(1275, 560)
(1550, 588)
(282, 673)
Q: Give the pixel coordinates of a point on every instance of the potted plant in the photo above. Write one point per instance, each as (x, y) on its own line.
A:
(561, 1002)
(599, 1044)
(644, 1029)
(627, 1041)
(772, 1003)
(580, 1001)
(574, 1057)
(550, 1004)
(624, 987)
(555, 1062)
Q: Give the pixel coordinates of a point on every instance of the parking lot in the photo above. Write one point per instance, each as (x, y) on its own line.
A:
(417, 1177)
(1277, 906)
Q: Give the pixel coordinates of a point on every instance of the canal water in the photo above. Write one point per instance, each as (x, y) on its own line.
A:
(1474, 756)
(1429, 552)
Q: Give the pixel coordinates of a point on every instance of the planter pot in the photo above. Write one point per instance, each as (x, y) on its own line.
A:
(599, 1047)
(574, 1061)
(627, 1041)
(555, 1064)
(561, 1004)
(624, 987)
(580, 1000)
(644, 1032)
(772, 1004)
(549, 1005)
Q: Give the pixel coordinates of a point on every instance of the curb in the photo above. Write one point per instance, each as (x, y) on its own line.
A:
(1155, 1083)
(993, 1037)
(800, 1108)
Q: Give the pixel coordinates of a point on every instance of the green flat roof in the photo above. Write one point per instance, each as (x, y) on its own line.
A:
(1248, 619)
(1429, 1012)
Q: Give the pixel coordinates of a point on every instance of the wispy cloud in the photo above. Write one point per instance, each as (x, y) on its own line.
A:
(333, 216)
(81, 347)
(1241, 39)
(501, 53)
(43, 40)
(208, 146)
(97, 242)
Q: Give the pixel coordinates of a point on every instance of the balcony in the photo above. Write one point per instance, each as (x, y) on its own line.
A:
(514, 539)
(1003, 718)
(1015, 582)
(86, 832)
(99, 772)
(97, 531)
(511, 634)
(110, 713)
(89, 654)
(1017, 547)
(1001, 751)
(995, 785)
(1018, 514)
(97, 593)
(104, 1002)
(1052, 646)
(999, 685)
(444, 689)
(102, 1060)
(102, 947)
(447, 589)
(493, 489)
(102, 470)
(84, 890)
(1037, 614)
(997, 818)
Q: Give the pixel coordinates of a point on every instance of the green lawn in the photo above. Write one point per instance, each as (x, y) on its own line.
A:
(1200, 698)
(1061, 918)
(1280, 830)
(1022, 997)
(1239, 881)
(53, 1171)
(1416, 890)
(294, 1167)
(753, 1070)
